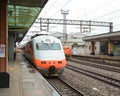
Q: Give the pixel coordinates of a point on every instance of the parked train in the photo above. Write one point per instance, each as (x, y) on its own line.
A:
(47, 54)
(67, 51)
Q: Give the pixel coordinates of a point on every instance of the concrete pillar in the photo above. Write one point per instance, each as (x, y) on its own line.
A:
(93, 48)
(11, 45)
(4, 76)
(110, 48)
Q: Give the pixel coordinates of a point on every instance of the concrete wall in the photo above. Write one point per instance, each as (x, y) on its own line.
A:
(86, 49)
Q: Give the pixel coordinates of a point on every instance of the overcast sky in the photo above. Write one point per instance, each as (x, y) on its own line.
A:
(97, 10)
(79, 9)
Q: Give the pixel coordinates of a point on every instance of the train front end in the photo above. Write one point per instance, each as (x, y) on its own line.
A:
(49, 56)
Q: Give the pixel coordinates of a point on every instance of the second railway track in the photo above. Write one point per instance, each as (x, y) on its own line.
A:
(96, 65)
(98, 76)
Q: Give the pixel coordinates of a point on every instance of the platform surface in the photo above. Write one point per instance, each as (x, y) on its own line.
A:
(26, 81)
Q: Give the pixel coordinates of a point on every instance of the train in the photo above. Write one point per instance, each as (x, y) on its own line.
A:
(67, 51)
(46, 53)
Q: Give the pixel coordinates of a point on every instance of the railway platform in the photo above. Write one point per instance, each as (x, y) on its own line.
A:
(25, 80)
(100, 59)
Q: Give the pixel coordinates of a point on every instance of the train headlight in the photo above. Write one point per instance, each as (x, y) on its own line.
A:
(59, 62)
(43, 62)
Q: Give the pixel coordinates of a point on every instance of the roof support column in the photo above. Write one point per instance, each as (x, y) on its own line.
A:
(11, 45)
(93, 48)
(110, 48)
(4, 76)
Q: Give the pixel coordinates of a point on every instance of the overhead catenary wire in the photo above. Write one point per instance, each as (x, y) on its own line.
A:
(61, 8)
(107, 14)
(94, 18)
(48, 9)
(101, 7)
(113, 19)
(65, 4)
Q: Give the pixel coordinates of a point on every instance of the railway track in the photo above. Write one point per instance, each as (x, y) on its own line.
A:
(96, 65)
(63, 88)
(98, 76)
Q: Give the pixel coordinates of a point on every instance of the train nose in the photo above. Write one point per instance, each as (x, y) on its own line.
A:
(52, 69)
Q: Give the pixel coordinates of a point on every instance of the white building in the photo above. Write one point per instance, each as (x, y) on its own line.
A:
(79, 46)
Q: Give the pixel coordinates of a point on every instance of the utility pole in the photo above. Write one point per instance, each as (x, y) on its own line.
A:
(64, 12)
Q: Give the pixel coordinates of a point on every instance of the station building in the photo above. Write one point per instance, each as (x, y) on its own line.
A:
(104, 44)
(101, 44)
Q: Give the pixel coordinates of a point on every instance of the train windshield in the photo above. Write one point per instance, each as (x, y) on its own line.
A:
(42, 46)
(48, 46)
(54, 46)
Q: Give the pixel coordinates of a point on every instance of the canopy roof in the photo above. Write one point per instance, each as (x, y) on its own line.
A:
(104, 37)
(22, 14)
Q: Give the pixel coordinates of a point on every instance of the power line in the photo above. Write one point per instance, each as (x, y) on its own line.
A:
(49, 7)
(91, 12)
(113, 18)
(107, 14)
(61, 8)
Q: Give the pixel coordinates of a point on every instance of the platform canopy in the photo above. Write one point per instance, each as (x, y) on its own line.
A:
(104, 37)
(22, 14)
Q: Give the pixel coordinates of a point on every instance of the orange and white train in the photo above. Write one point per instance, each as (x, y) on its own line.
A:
(67, 51)
(47, 54)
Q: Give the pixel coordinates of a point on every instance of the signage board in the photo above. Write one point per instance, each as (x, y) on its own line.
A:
(2, 50)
